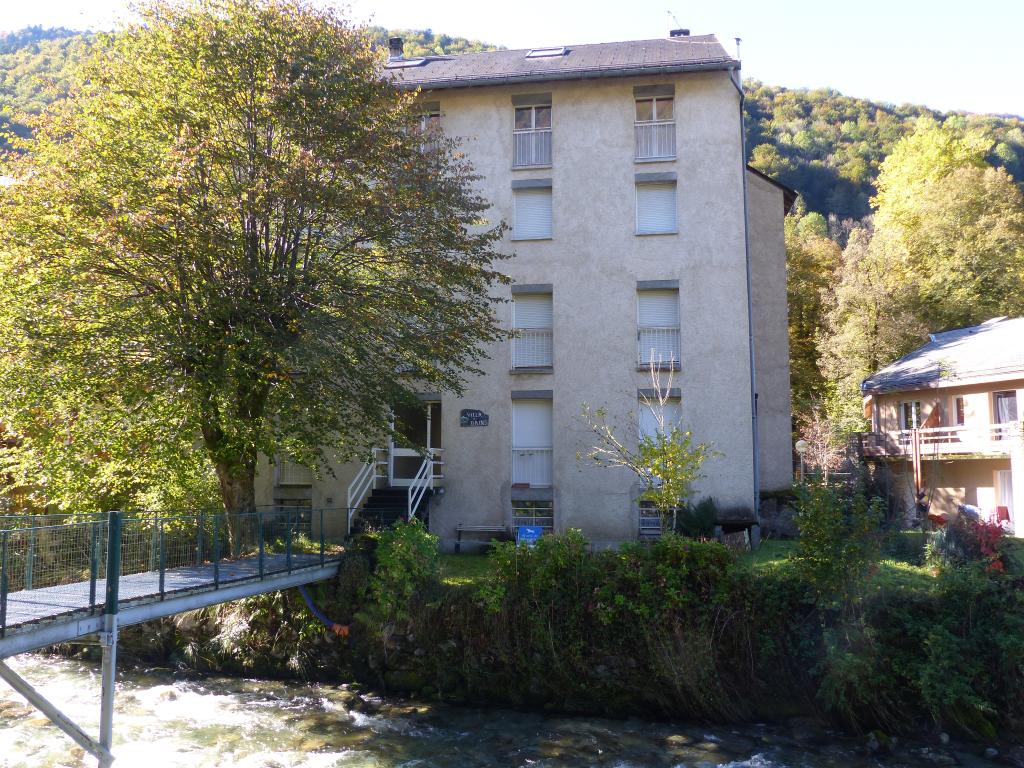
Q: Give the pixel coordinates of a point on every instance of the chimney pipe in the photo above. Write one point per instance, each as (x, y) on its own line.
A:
(396, 45)
(679, 33)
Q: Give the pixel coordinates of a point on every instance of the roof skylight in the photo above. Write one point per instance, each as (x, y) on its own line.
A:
(540, 53)
(403, 63)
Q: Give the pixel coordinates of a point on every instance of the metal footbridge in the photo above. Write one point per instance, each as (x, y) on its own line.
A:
(63, 578)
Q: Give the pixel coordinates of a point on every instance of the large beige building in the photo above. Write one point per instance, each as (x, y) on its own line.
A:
(945, 419)
(638, 235)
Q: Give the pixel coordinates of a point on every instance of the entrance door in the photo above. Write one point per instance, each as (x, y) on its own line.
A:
(420, 431)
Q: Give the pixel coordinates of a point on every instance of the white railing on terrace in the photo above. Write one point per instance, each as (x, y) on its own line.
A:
(531, 147)
(655, 139)
(532, 466)
(659, 345)
(532, 348)
(988, 438)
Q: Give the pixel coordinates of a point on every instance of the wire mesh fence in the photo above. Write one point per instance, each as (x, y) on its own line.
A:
(51, 565)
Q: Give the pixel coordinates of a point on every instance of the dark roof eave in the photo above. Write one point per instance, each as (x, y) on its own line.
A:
(789, 195)
(579, 74)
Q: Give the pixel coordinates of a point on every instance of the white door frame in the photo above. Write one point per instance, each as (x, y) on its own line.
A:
(397, 451)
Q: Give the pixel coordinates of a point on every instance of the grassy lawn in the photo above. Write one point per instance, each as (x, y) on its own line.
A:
(464, 569)
(774, 554)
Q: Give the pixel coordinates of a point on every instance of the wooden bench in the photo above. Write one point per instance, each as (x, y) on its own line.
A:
(462, 528)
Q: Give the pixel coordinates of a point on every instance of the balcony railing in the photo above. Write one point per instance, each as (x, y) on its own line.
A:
(532, 348)
(532, 467)
(659, 345)
(655, 139)
(531, 147)
(943, 441)
(289, 473)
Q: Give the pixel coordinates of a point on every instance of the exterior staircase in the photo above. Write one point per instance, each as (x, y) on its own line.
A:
(386, 506)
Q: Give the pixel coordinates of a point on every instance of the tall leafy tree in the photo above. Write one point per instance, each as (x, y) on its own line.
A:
(812, 259)
(946, 250)
(233, 231)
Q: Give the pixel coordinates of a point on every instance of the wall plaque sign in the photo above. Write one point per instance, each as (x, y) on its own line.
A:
(471, 417)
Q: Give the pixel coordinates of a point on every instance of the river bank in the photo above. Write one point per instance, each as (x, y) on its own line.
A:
(678, 631)
(170, 720)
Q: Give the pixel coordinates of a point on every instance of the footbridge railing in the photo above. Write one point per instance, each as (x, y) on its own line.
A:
(51, 565)
(65, 576)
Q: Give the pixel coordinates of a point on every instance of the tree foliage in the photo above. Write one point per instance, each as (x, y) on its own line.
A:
(945, 249)
(667, 460)
(812, 260)
(831, 147)
(234, 230)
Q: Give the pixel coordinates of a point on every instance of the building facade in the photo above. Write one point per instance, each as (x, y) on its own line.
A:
(638, 236)
(946, 420)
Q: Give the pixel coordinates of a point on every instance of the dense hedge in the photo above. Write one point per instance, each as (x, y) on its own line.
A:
(675, 629)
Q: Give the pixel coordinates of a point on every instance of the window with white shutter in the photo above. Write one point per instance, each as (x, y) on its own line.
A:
(531, 443)
(657, 417)
(532, 326)
(532, 214)
(656, 208)
(658, 327)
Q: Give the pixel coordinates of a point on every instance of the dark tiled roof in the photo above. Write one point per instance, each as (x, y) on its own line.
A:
(635, 57)
(994, 348)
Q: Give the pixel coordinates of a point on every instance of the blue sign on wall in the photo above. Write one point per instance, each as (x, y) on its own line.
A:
(528, 534)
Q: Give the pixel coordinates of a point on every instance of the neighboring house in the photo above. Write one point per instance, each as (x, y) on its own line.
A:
(947, 420)
(619, 168)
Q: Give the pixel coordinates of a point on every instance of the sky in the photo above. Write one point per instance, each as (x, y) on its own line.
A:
(946, 54)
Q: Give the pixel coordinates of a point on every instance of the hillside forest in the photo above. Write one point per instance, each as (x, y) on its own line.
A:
(909, 220)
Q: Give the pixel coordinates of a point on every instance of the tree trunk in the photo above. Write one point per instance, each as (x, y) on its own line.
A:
(238, 493)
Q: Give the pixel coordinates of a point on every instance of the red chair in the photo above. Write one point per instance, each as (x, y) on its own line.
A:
(1002, 514)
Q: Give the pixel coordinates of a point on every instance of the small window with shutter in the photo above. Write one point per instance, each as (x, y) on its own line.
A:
(656, 208)
(532, 324)
(532, 214)
(658, 328)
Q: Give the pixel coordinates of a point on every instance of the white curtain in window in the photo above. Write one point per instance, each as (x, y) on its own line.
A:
(656, 208)
(532, 215)
(1005, 480)
(1006, 407)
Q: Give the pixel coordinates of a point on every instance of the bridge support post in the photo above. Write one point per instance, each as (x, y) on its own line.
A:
(58, 718)
(108, 640)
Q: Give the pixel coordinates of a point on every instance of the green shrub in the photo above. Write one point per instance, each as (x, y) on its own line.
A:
(906, 546)
(963, 541)
(407, 564)
(697, 520)
(839, 541)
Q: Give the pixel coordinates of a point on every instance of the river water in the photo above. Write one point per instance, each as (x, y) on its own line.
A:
(163, 720)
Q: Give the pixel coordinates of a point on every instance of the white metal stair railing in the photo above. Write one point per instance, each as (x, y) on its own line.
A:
(423, 480)
(362, 485)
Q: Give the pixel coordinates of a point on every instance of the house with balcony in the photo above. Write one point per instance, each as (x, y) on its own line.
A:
(639, 237)
(946, 420)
